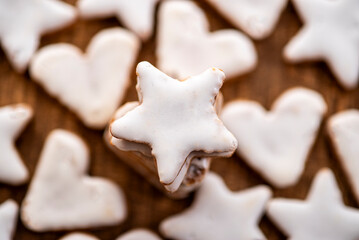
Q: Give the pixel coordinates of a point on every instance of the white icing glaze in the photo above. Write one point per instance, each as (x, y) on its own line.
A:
(137, 15)
(125, 145)
(13, 119)
(91, 84)
(186, 176)
(322, 215)
(61, 195)
(22, 22)
(255, 17)
(78, 236)
(176, 118)
(8, 219)
(277, 143)
(330, 33)
(144, 149)
(185, 47)
(343, 129)
(218, 213)
(139, 234)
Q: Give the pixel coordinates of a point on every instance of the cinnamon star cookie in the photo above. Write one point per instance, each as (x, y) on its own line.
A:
(218, 213)
(177, 119)
(322, 215)
(330, 33)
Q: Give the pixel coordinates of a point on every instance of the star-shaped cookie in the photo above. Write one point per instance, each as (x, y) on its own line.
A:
(139, 157)
(137, 15)
(256, 18)
(177, 119)
(218, 213)
(22, 22)
(322, 215)
(13, 119)
(8, 219)
(330, 33)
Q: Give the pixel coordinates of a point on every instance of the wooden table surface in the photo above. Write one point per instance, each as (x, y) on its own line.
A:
(147, 206)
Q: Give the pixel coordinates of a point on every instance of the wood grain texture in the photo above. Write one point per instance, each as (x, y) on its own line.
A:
(147, 206)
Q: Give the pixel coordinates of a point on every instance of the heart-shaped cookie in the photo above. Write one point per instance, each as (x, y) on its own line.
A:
(343, 129)
(185, 46)
(61, 196)
(91, 84)
(13, 119)
(8, 219)
(277, 143)
(257, 18)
